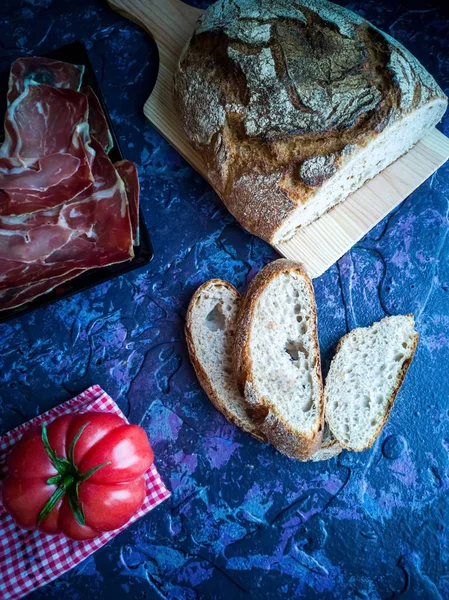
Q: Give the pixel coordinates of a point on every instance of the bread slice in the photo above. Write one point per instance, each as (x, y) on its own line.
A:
(329, 446)
(277, 358)
(364, 377)
(210, 328)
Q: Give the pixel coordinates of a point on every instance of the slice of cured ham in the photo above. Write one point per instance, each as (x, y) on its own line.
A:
(36, 175)
(98, 124)
(42, 121)
(35, 69)
(15, 297)
(46, 182)
(91, 231)
(51, 124)
(128, 172)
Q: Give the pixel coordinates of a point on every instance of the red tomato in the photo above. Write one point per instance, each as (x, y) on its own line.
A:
(80, 476)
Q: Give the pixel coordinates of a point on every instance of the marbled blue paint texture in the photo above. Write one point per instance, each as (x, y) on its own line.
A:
(244, 521)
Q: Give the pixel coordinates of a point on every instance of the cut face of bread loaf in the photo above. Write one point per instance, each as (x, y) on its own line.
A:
(364, 377)
(361, 164)
(277, 358)
(210, 330)
(294, 105)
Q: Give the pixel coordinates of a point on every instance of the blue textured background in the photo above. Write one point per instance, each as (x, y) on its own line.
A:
(244, 521)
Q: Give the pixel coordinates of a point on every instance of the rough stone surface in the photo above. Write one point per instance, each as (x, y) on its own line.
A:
(244, 521)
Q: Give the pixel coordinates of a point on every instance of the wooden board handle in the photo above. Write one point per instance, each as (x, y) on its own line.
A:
(169, 22)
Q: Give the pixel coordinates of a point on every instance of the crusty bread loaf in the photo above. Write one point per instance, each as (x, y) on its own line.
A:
(277, 358)
(294, 105)
(365, 375)
(329, 446)
(210, 329)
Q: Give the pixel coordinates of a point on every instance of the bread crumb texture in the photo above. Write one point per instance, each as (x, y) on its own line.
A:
(364, 377)
(283, 351)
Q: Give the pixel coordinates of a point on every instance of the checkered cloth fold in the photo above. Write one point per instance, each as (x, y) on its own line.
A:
(30, 559)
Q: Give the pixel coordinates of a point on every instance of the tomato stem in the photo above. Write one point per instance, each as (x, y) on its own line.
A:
(57, 495)
(60, 464)
(68, 478)
(77, 508)
(54, 480)
(90, 472)
(73, 444)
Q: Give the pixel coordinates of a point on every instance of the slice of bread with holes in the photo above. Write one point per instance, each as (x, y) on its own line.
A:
(364, 377)
(277, 358)
(210, 330)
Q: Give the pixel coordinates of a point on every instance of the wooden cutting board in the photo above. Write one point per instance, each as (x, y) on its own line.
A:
(321, 244)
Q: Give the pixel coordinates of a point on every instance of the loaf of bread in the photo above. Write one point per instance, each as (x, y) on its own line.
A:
(295, 104)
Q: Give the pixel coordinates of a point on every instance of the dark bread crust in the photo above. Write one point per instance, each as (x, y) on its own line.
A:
(392, 398)
(277, 431)
(277, 100)
(200, 371)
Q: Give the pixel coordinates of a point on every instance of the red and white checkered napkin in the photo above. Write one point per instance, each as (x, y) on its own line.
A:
(30, 559)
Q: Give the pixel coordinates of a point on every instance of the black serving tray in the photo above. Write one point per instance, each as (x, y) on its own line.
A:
(76, 53)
